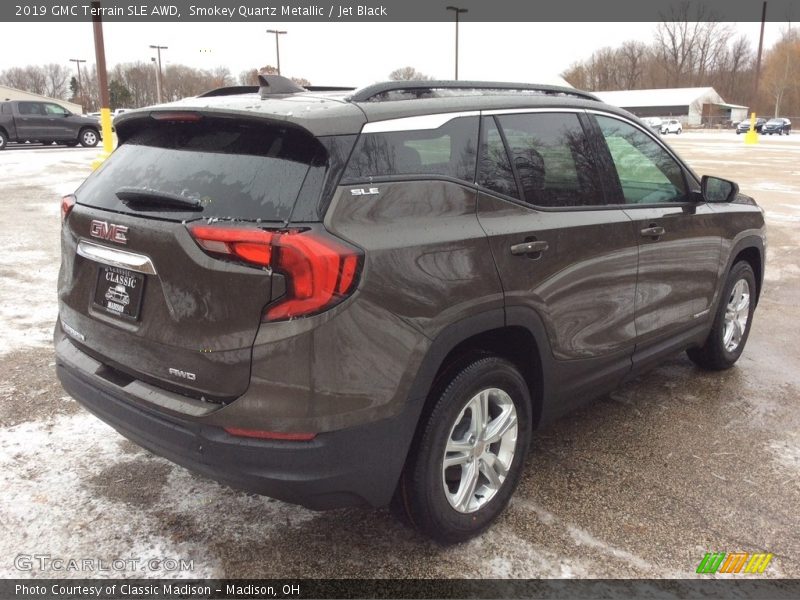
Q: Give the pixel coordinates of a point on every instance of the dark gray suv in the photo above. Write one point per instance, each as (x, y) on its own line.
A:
(346, 297)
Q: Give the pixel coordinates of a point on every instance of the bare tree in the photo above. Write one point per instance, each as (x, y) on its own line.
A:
(781, 73)
(408, 74)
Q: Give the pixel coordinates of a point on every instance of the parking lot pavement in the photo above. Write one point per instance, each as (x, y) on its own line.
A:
(639, 484)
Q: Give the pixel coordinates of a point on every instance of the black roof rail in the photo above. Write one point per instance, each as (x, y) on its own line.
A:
(330, 88)
(230, 90)
(380, 91)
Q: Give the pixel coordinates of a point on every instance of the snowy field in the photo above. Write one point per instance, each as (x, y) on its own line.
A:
(638, 485)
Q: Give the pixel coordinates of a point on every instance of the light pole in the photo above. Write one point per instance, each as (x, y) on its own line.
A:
(158, 74)
(458, 11)
(102, 83)
(277, 46)
(78, 62)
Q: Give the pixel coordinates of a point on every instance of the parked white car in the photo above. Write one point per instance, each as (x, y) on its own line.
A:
(671, 126)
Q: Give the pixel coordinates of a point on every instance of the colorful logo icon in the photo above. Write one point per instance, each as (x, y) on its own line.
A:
(734, 562)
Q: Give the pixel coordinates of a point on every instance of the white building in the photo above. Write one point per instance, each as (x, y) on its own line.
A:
(9, 93)
(692, 106)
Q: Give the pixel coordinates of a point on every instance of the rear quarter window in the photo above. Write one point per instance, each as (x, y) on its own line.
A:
(449, 151)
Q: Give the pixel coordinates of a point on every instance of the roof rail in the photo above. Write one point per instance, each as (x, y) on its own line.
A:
(330, 88)
(230, 90)
(380, 91)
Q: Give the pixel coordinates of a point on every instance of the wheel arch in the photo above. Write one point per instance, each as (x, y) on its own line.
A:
(751, 250)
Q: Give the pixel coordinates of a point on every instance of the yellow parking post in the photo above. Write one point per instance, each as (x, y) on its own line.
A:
(108, 140)
(751, 137)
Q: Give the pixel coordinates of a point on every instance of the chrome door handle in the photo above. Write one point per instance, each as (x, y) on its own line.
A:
(532, 247)
(654, 231)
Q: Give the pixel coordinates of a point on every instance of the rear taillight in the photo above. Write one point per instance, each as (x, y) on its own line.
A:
(320, 270)
(67, 202)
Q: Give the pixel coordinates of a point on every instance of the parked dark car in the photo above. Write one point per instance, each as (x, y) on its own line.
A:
(337, 298)
(45, 122)
(779, 125)
(744, 126)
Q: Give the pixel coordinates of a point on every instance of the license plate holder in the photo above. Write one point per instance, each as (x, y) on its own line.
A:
(119, 292)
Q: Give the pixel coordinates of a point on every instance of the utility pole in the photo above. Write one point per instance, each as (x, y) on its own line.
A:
(751, 137)
(102, 84)
(458, 11)
(277, 46)
(159, 82)
(78, 62)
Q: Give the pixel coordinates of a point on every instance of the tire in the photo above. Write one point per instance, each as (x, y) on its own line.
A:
(88, 137)
(442, 502)
(738, 132)
(47, 142)
(678, 132)
(729, 333)
(3, 140)
(70, 144)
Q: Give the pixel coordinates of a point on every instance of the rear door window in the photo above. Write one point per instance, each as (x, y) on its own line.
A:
(233, 169)
(553, 159)
(494, 167)
(449, 151)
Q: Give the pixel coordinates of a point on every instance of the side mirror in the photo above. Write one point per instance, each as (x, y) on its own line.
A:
(718, 190)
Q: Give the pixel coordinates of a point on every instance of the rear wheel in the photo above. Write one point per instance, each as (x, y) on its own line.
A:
(731, 327)
(469, 455)
(88, 138)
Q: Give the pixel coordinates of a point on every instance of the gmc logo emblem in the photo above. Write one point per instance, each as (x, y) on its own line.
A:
(109, 231)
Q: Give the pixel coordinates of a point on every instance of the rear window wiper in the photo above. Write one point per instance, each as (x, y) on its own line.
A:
(145, 198)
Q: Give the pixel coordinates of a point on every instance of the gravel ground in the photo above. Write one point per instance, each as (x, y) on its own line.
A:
(639, 484)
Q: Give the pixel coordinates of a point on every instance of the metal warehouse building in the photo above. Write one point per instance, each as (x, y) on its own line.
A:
(9, 93)
(692, 106)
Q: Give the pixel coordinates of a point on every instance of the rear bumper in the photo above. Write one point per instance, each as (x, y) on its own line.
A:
(354, 466)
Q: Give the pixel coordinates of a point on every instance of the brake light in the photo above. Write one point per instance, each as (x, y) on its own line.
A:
(320, 270)
(270, 435)
(67, 202)
(186, 117)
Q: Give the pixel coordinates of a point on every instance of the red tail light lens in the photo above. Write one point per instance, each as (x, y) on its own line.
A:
(320, 270)
(67, 202)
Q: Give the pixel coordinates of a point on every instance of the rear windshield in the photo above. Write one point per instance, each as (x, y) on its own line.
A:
(231, 169)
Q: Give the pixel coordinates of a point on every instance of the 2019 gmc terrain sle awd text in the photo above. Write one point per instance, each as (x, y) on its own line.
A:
(337, 297)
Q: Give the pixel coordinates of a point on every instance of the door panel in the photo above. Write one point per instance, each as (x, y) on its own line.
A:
(679, 237)
(582, 286)
(559, 250)
(677, 270)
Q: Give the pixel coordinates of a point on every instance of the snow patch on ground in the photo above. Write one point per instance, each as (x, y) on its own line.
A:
(786, 453)
(44, 467)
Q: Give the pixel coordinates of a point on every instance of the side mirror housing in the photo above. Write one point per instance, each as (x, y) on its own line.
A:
(715, 189)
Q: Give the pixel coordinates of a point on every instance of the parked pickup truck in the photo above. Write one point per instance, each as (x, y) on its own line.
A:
(45, 122)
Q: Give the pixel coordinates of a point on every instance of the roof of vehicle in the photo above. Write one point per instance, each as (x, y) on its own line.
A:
(342, 111)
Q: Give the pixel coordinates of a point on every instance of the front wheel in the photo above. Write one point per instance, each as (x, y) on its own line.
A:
(3, 140)
(731, 326)
(88, 138)
(469, 454)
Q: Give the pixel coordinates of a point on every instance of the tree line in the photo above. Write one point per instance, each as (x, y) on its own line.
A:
(131, 85)
(687, 53)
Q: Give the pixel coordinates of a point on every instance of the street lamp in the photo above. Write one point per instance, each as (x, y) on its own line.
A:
(277, 46)
(457, 11)
(158, 74)
(78, 62)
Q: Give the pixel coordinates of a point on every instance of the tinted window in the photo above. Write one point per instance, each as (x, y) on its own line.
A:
(5, 109)
(647, 173)
(494, 170)
(241, 170)
(553, 159)
(55, 109)
(31, 108)
(449, 150)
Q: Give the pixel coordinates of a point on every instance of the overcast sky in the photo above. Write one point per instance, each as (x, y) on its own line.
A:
(341, 53)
